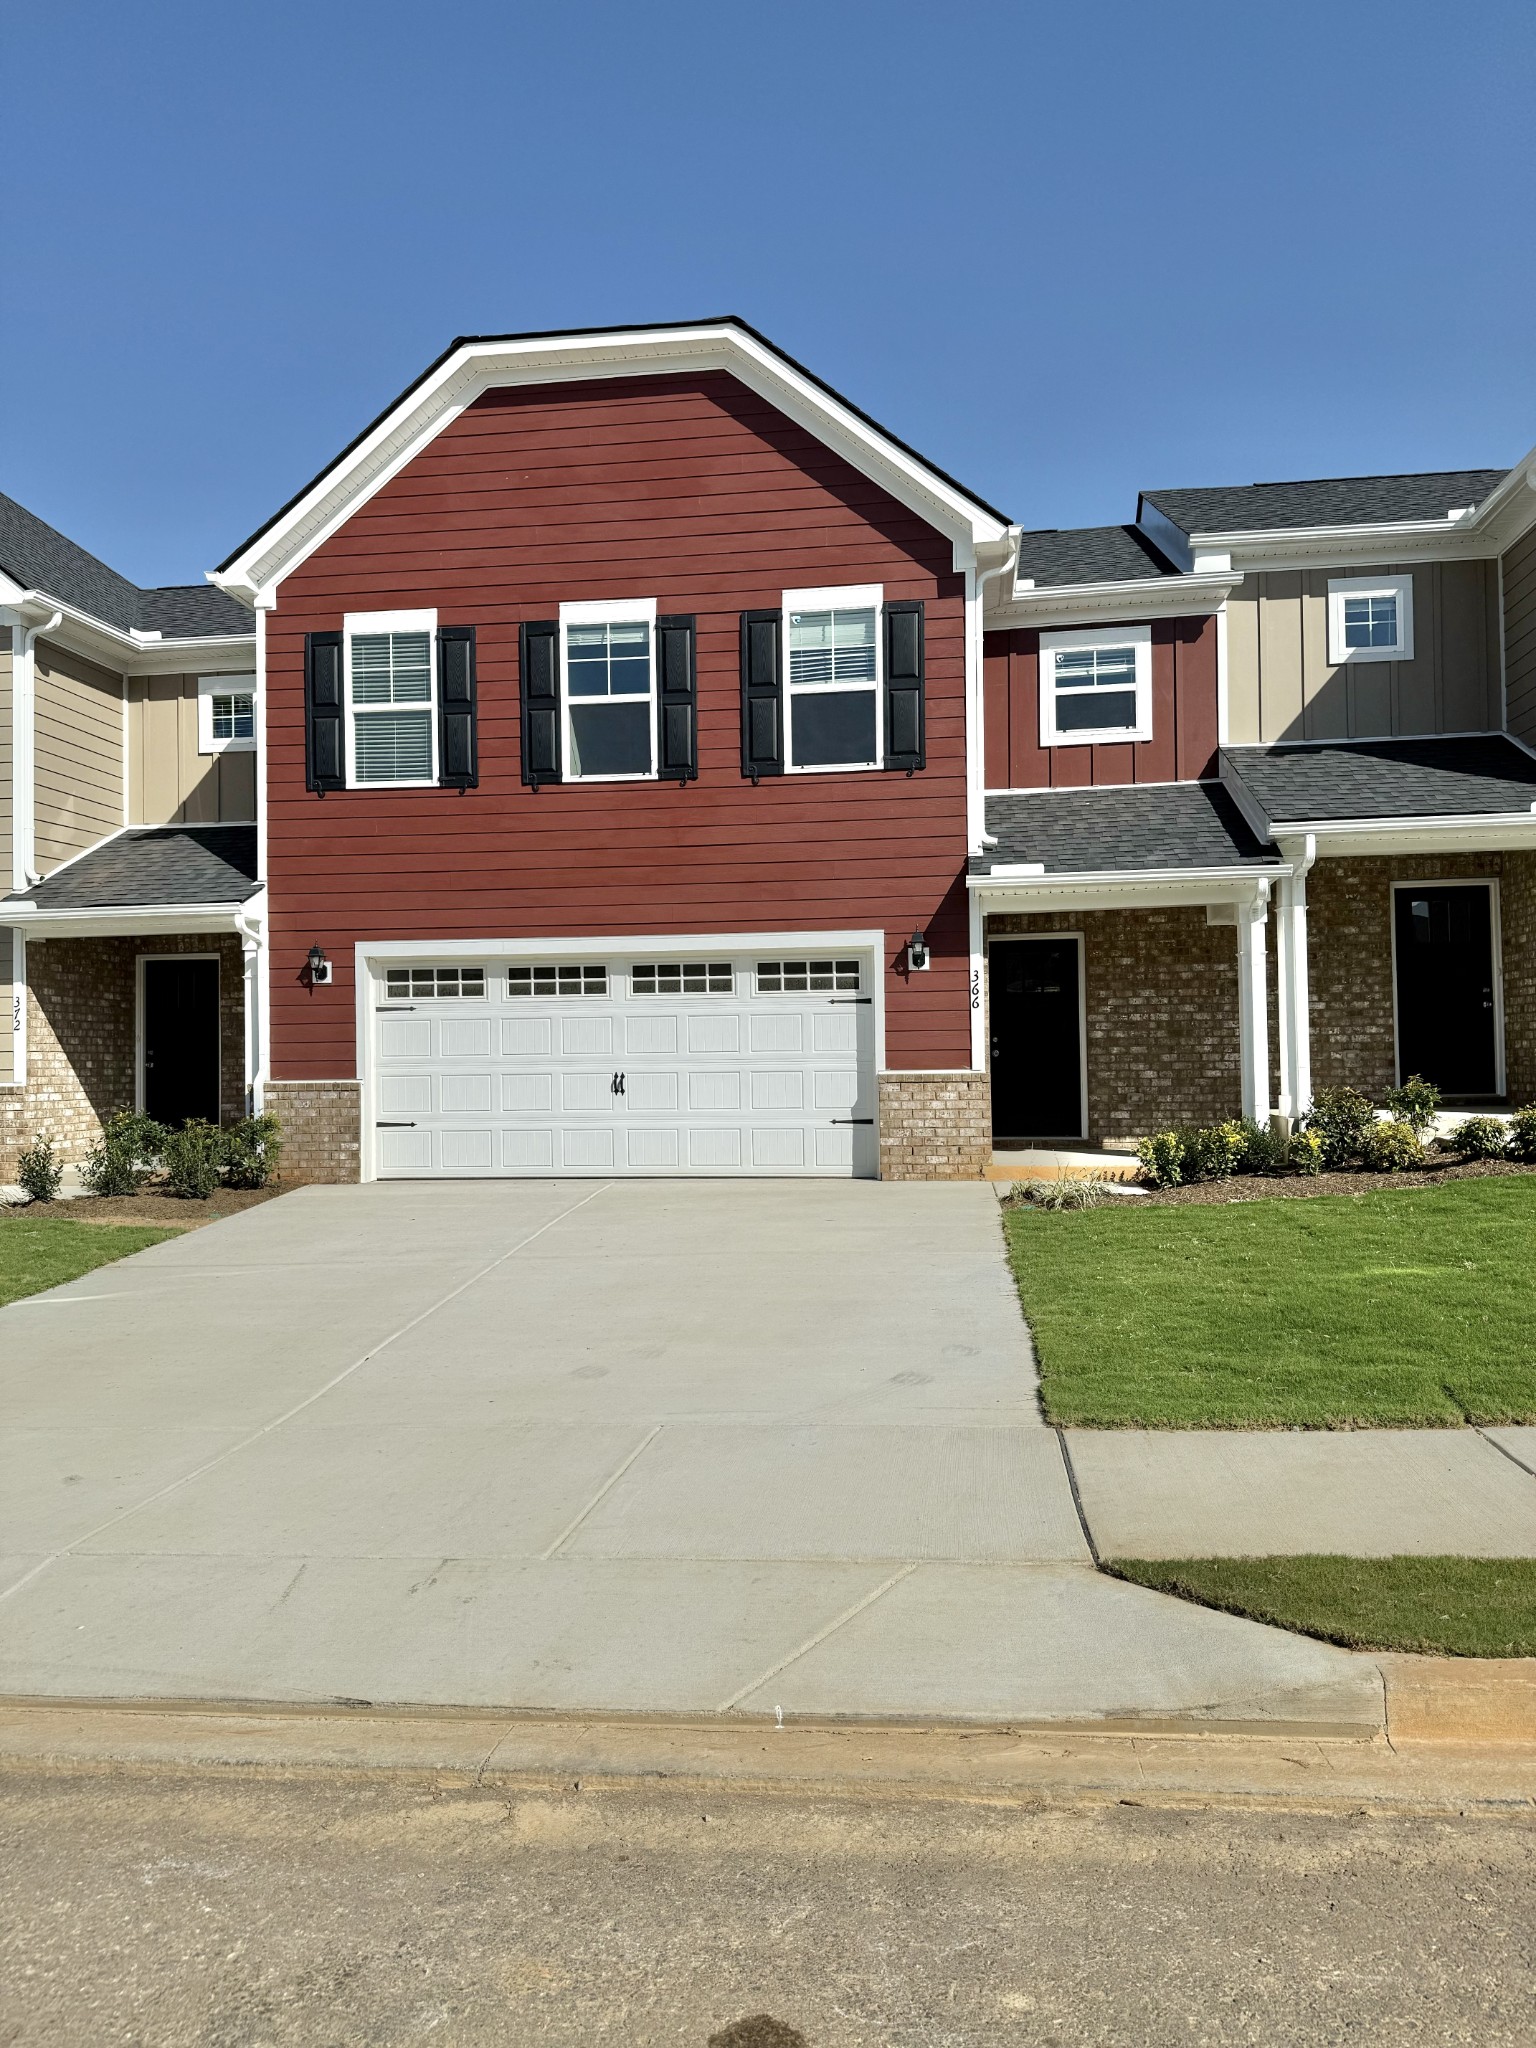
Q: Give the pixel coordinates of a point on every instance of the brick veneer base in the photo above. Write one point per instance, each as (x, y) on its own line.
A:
(322, 1128)
(81, 1020)
(935, 1126)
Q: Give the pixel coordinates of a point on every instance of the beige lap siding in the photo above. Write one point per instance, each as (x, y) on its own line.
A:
(322, 1129)
(79, 748)
(1349, 917)
(1161, 1002)
(80, 1038)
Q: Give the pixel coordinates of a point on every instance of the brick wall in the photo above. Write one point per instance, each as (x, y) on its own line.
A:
(322, 1128)
(1161, 1002)
(81, 1022)
(1349, 946)
(934, 1126)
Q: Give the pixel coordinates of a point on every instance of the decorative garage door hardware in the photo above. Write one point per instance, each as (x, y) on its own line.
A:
(617, 1084)
(394, 1127)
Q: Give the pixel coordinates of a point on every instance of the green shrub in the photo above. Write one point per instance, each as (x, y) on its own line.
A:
(1390, 1146)
(1416, 1103)
(121, 1162)
(194, 1160)
(1304, 1152)
(38, 1169)
(252, 1149)
(1162, 1159)
(1481, 1137)
(1212, 1151)
(1071, 1191)
(1340, 1117)
(1522, 1136)
(1264, 1149)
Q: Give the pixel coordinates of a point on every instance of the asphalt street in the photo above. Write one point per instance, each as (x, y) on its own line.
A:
(169, 1908)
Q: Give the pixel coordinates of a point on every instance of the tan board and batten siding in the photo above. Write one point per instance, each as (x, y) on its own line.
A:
(1282, 686)
(79, 753)
(6, 1039)
(169, 781)
(1520, 637)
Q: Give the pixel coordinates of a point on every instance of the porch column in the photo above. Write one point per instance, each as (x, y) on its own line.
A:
(251, 957)
(1253, 1004)
(1292, 986)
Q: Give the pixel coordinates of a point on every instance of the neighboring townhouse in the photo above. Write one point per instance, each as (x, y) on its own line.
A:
(660, 768)
(127, 844)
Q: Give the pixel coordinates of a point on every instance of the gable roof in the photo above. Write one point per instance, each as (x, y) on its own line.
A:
(1324, 501)
(38, 557)
(477, 362)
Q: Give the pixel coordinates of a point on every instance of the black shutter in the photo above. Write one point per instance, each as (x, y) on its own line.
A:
(325, 753)
(904, 721)
(677, 680)
(762, 694)
(538, 669)
(457, 753)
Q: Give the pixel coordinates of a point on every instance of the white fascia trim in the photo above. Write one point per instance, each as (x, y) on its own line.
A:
(133, 653)
(1168, 597)
(1492, 832)
(1509, 508)
(125, 922)
(1431, 540)
(1120, 890)
(481, 366)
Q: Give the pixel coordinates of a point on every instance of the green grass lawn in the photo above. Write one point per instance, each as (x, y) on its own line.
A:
(1448, 1606)
(1408, 1307)
(48, 1250)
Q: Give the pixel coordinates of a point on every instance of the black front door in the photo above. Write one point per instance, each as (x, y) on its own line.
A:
(1445, 1015)
(1037, 1049)
(181, 1040)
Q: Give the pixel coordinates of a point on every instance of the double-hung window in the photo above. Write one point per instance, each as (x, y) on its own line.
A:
(1096, 686)
(391, 698)
(608, 683)
(832, 705)
(226, 714)
(1370, 618)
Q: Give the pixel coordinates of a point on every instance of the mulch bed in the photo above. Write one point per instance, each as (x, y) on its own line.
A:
(1259, 1188)
(160, 1210)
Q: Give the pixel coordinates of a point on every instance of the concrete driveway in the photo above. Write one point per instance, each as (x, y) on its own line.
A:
(657, 1446)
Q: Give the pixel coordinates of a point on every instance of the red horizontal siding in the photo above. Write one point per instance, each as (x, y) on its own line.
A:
(1184, 716)
(695, 492)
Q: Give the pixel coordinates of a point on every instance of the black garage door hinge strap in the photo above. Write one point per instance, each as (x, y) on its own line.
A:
(850, 999)
(851, 1119)
(394, 1127)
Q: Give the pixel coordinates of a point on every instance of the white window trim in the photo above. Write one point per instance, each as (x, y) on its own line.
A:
(209, 687)
(847, 597)
(1341, 587)
(599, 612)
(391, 622)
(1052, 644)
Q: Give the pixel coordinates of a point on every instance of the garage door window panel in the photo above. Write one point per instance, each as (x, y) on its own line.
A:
(807, 977)
(391, 660)
(609, 685)
(685, 978)
(557, 980)
(404, 984)
(834, 677)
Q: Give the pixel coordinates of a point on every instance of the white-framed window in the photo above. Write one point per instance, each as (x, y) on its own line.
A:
(682, 978)
(1370, 618)
(608, 690)
(832, 663)
(557, 980)
(391, 662)
(1095, 686)
(806, 977)
(226, 714)
(401, 984)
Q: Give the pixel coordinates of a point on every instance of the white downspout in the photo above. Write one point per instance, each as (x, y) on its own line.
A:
(24, 752)
(251, 925)
(977, 835)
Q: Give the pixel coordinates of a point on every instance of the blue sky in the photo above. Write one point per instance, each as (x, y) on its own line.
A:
(1065, 251)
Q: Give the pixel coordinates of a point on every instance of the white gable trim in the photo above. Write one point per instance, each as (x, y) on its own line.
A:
(477, 366)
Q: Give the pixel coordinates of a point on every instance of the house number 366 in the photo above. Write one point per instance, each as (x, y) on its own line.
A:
(975, 988)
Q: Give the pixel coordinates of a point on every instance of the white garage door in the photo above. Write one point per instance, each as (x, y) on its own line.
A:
(743, 1064)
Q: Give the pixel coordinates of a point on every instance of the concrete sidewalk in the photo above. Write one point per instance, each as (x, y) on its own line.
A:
(654, 1447)
(1356, 1493)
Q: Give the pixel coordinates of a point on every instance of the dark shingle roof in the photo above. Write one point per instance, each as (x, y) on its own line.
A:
(40, 558)
(1431, 778)
(171, 864)
(1094, 831)
(1324, 501)
(1090, 554)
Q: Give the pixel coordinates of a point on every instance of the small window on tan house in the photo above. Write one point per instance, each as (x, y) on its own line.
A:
(226, 714)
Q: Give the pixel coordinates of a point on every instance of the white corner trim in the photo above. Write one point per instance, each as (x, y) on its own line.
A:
(18, 1008)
